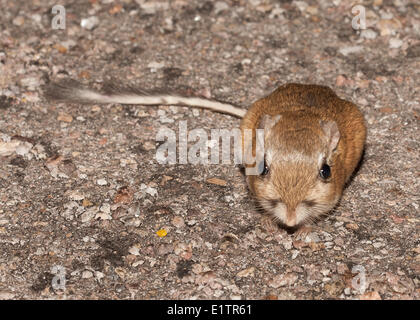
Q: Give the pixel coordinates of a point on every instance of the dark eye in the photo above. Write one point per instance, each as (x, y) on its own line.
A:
(325, 171)
(265, 169)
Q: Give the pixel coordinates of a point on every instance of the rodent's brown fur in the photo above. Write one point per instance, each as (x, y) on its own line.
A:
(301, 109)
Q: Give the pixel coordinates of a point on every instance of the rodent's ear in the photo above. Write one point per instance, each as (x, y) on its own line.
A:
(332, 134)
(267, 122)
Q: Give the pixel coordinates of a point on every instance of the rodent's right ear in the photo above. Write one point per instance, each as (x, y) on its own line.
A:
(267, 122)
(332, 134)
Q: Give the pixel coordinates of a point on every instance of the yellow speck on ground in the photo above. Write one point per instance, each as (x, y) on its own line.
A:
(162, 233)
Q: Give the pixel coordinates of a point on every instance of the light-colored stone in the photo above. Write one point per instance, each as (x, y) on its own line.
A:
(368, 34)
(101, 182)
(90, 23)
(395, 43)
(87, 274)
(350, 50)
(249, 272)
(282, 280)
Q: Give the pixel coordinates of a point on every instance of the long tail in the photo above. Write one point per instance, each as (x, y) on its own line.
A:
(72, 91)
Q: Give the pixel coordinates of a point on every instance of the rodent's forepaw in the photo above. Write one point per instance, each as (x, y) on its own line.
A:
(269, 224)
(302, 232)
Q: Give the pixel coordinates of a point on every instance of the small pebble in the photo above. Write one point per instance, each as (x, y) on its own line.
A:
(378, 245)
(246, 273)
(99, 275)
(352, 226)
(368, 34)
(388, 26)
(76, 195)
(87, 274)
(134, 250)
(101, 182)
(178, 222)
(350, 50)
(220, 6)
(23, 148)
(65, 118)
(217, 181)
(30, 82)
(282, 280)
(105, 208)
(89, 23)
(156, 65)
(395, 43)
(88, 215)
(18, 21)
(149, 190)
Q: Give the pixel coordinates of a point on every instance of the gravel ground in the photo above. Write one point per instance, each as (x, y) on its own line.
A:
(82, 197)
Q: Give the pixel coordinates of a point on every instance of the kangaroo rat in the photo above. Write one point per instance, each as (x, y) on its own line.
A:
(313, 141)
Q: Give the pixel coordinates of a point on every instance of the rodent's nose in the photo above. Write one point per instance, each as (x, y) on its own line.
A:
(291, 218)
(291, 222)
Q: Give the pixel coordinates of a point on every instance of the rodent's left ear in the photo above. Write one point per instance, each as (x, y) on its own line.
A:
(332, 134)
